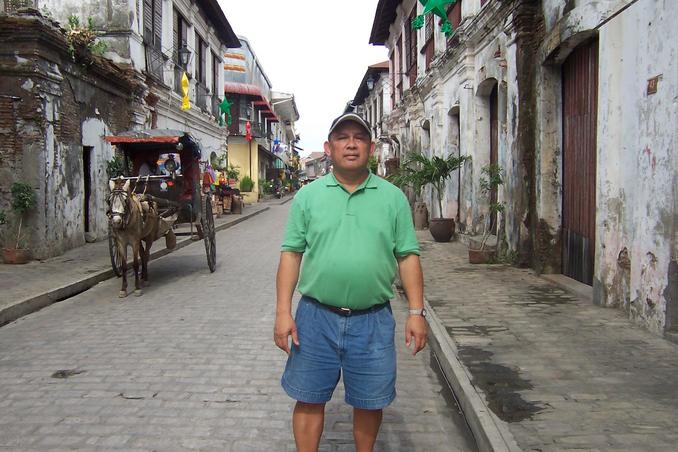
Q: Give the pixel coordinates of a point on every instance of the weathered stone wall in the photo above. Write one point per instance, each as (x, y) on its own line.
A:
(637, 162)
(61, 107)
(636, 174)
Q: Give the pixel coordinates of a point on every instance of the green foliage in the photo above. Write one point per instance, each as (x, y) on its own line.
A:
(23, 200)
(418, 171)
(492, 176)
(246, 184)
(79, 35)
(115, 167)
(218, 162)
(373, 164)
(233, 172)
(268, 187)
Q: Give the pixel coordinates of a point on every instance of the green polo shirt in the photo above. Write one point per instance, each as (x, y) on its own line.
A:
(350, 240)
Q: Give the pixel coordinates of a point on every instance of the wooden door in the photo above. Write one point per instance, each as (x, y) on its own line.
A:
(580, 104)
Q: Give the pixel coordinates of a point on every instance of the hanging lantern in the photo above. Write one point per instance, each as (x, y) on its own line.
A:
(248, 131)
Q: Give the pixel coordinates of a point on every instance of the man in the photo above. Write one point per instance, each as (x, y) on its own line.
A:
(352, 229)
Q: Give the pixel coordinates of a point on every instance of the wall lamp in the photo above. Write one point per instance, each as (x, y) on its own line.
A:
(184, 55)
(370, 80)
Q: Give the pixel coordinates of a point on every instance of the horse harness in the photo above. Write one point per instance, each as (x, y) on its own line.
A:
(126, 201)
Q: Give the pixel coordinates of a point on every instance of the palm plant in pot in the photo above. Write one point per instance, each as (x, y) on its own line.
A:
(492, 177)
(23, 200)
(418, 171)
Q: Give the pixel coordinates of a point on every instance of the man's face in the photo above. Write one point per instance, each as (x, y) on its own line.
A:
(349, 147)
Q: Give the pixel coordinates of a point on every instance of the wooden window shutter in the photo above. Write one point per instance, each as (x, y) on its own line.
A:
(157, 24)
(148, 21)
(175, 34)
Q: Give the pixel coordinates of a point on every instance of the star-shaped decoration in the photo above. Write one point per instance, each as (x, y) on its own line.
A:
(225, 108)
(437, 7)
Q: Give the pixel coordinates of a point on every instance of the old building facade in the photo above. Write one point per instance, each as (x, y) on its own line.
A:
(573, 101)
(56, 108)
(77, 98)
(262, 131)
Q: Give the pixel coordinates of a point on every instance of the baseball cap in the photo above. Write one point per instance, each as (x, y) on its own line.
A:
(350, 116)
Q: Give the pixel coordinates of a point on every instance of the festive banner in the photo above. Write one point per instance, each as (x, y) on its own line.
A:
(185, 101)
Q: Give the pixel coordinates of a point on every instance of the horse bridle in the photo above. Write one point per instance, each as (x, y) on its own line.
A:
(120, 193)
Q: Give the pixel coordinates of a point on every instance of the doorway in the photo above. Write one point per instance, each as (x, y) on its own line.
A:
(494, 148)
(87, 180)
(579, 105)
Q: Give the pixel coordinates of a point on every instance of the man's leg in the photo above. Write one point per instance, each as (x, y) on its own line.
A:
(366, 425)
(307, 422)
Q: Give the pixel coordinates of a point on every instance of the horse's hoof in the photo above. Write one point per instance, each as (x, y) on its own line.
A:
(122, 294)
(138, 292)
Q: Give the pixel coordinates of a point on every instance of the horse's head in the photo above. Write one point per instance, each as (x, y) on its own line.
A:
(119, 203)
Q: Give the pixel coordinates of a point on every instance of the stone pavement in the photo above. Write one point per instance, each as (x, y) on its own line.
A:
(556, 372)
(190, 365)
(27, 288)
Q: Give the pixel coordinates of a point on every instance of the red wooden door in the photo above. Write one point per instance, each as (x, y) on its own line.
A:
(580, 104)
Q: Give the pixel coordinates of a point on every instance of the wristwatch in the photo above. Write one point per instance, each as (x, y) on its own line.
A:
(421, 312)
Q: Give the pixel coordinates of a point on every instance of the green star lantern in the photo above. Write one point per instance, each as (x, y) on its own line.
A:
(225, 108)
(439, 8)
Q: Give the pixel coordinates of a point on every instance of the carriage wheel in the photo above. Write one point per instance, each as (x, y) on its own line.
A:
(207, 222)
(116, 258)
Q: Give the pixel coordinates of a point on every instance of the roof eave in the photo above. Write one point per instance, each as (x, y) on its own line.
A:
(222, 26)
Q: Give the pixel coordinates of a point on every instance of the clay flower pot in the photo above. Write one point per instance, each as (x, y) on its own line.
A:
(442, 229)
(16, 255)
(484, 256)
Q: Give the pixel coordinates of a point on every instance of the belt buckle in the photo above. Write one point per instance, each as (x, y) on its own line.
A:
(346, 311)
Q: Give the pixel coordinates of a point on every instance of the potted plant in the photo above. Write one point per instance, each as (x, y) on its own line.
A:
(246, 184)
(418, 171)
(232, 173)
(23, 200)
(492, 177)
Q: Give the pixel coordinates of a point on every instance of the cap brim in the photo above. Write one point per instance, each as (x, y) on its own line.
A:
(353, 117)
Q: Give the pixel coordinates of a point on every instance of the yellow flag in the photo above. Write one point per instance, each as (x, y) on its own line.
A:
(185, 101)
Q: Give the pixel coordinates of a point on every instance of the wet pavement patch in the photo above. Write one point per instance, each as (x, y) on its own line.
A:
(500, 385)
(65, 373)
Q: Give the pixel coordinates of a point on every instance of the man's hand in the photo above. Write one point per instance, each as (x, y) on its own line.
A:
(284, 327)
(416, 331)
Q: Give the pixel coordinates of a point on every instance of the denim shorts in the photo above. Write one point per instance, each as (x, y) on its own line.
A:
(361, 346)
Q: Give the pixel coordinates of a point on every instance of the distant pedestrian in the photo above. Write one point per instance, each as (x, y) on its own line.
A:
(353, 231)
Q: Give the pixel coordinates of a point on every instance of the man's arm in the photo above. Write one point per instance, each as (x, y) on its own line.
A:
(412, 279)
(286, 282)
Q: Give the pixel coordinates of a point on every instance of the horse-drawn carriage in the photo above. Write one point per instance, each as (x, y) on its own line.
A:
(161, 186)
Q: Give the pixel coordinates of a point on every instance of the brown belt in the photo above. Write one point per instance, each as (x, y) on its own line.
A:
(346, 312)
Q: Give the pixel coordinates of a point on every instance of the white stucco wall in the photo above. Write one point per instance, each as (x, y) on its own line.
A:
(637, 162)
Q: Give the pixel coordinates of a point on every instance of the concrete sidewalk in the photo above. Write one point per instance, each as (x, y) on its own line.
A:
(27, 288)
(537, 368)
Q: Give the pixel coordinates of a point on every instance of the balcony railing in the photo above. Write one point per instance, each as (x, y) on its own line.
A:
(215, 106)
(155, 63)
(201, 95)
(178, 72)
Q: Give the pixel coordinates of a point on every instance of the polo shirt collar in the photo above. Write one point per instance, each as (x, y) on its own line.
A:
(370, 182)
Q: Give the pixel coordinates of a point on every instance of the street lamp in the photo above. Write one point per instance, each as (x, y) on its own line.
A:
(184, 56)
(370, 82)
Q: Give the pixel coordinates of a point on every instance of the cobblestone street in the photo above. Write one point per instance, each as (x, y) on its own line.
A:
(189, 365)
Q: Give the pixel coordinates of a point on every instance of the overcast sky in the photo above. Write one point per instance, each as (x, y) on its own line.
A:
(318, 50)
